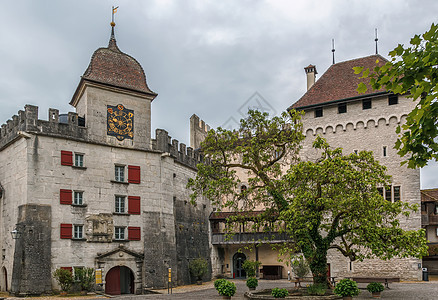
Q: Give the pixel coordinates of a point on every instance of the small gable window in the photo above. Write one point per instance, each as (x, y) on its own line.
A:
(342, 108)
(392, 99)
(366, 104)
(318, 112)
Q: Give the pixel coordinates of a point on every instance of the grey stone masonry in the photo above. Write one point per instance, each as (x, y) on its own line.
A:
(27, 122)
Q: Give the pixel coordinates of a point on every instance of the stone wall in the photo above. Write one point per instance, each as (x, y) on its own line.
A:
(32, 268)
(198, 131)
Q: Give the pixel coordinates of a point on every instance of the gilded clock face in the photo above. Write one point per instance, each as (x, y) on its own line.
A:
(120, 122)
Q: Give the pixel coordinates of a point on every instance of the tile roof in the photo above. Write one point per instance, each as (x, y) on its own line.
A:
(339, 82)
(113, 67)
(223, 215)
(430, 195)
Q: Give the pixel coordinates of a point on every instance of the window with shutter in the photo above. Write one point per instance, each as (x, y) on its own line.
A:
(65, 196)
(134, 205)
(66, 158)
(133, 174)
(66, 231)
(134, 233)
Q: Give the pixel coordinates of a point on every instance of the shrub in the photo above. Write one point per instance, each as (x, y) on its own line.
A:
(318, 289)
(346, 287)
(300, 267)
(218, 282)
(279, 293)
(64, 278)
(250, 267)
(375, 287)
(85, 276)
(227, 288)
(252, 282)
(198, 267)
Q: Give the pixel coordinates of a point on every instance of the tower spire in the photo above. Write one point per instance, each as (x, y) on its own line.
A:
(376, 39)
(333, 50)
(112, 42)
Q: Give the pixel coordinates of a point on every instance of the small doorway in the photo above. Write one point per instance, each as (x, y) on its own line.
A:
(119, 280)
(238, 260)
(4, 280)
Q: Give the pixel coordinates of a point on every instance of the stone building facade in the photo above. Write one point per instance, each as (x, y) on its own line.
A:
(91, 188)
(334, 110)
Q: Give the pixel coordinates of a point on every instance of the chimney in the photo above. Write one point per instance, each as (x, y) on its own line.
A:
(311, 75)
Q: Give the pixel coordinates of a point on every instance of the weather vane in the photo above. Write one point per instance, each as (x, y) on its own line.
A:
(112, 16)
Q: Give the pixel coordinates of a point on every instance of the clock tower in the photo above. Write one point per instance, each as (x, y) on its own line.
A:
(114, 99)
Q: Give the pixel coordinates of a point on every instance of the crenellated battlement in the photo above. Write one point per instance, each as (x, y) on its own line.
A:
(69, 125)
(198, 131)
(183, 154)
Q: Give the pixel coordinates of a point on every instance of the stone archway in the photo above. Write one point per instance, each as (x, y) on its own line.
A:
(238, 260)
(119, 280)
(4, 280)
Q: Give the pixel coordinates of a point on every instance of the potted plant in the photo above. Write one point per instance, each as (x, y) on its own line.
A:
(218, 282)
(85, 277)
(252, 283)
(375, 288)
(279, 293)
(300, 267)
(250, 267)
(64, 278)
(226, 288)
(198, 267)
(347, 289)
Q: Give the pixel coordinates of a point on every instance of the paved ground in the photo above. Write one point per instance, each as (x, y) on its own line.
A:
(397, 291)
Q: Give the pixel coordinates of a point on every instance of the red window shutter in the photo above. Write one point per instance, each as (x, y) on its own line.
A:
(134, 205)
(66, 158)
(133, 174)
(65, 197)
(66, 230)
(134, 233)
(68, 268)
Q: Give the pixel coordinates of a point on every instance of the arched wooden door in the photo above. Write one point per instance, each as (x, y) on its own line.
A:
(238, 260)
(119, 280)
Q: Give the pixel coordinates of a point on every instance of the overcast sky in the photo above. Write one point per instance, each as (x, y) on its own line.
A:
(206, 57)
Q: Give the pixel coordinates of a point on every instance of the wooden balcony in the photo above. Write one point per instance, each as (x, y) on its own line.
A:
(433, 219)
(249, 238)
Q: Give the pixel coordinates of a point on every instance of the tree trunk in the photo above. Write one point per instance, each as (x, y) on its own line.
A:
(318, 265)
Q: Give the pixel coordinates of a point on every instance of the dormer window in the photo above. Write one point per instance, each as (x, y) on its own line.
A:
(318, 112)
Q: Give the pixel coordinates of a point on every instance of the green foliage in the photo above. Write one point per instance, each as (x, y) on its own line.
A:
(375, 287)
(346, 288)
(226, 288)
(250, 267)
(300, 267)
(279, 293)
(318, 289)
(328, 203)
(85, 276)
(412, 70)
(64, 278)
(252, 282)
(198, 267)
(218, 282)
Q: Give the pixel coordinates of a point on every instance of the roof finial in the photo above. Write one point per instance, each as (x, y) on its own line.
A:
(333, 50)
(112, 42)
(376, 39)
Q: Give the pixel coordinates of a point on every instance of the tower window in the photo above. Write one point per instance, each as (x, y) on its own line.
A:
(392, 99)
(396, 193)
(318, 112)
(385, 151)
(366, 104)
(342, 108)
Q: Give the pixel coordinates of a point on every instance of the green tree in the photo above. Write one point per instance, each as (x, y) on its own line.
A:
(413, 71)
(330, 203)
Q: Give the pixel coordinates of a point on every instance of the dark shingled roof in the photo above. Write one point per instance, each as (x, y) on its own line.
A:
(113, 67)
(339, 82)
(430, 195)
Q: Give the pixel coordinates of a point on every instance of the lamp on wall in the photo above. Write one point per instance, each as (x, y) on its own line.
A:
(16, 234)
